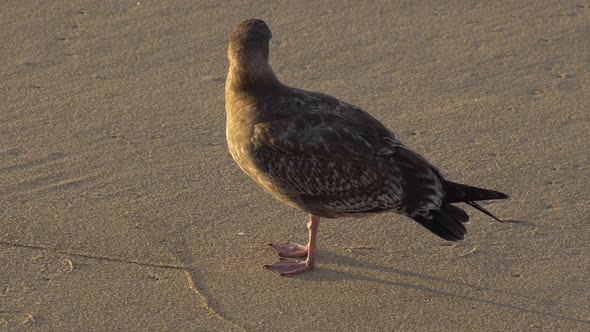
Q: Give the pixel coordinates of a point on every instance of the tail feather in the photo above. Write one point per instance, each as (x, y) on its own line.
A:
(480, 208)
(447, 222)
(456, 192)
(456, 213)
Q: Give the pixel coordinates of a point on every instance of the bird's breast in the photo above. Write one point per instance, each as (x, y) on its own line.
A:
(241, 118)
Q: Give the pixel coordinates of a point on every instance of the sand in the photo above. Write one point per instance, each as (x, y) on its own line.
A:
(121, 208)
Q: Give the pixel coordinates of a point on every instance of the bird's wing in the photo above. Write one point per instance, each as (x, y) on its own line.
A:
(344, 160)
(321, 135)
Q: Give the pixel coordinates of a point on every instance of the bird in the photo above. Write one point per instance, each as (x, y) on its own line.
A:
(327, 157)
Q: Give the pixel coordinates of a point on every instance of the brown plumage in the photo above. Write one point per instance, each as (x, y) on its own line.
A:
(326, 157)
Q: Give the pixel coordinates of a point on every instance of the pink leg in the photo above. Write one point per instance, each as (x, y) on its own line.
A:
(289, 267)
(290, 249)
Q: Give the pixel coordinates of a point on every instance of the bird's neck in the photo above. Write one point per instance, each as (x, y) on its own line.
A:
(249, 71)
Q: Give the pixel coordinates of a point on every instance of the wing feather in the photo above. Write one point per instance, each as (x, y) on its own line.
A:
(343, 161)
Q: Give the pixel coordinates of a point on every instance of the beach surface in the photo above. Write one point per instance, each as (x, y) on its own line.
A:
(122, 209)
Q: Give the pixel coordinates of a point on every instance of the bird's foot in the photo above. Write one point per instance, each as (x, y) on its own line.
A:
(290, 249)
(290, 267)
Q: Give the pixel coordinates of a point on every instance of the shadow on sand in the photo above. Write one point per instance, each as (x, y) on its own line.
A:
(466, 292)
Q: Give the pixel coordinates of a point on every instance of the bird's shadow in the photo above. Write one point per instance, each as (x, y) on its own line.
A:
(520, 222)
(323, 274)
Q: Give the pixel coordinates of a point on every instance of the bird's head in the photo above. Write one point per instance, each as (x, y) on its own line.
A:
(248, 56)
(248, 42)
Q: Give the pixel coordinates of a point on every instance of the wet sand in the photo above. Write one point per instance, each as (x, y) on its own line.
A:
(121, 208)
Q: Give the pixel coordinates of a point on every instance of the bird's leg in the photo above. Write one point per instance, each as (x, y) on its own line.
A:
(290, 249)
(288, 267)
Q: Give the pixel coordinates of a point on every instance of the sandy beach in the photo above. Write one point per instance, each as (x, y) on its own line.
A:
(122, 209)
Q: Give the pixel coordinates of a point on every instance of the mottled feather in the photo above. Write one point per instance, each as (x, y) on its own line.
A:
(335, 159)
(326, 157)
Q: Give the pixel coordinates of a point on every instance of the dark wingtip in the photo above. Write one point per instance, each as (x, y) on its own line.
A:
(500, 195)
(456, 192)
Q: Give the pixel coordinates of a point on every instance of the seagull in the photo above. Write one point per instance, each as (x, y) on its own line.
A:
(326, 157)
